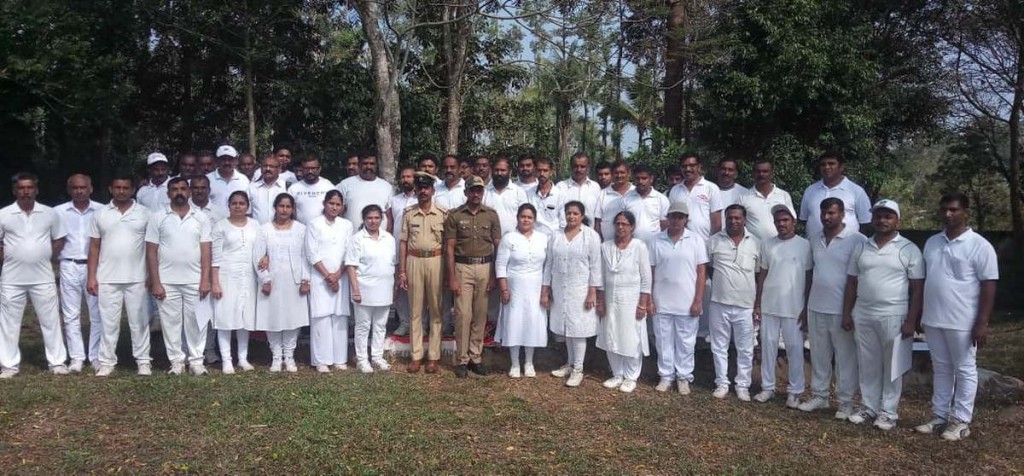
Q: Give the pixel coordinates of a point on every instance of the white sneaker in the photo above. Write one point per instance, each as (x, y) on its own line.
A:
(364, 367)
(562, 371)
(575, 378)
(884, 423)
(936, 425)
(323, 369)
(721, 391)
(104, 371)
(289, 366)
(340, 367)
(793, 401)
(403, 329)
(381, 365)
(956, 430)
(813, 403)
(210, 356)
(683, 386)
(275, 364)
(145, 369)
(59, 370)
(614, 382)
(226, 368)
(197, 368)
(663, 385)
(8, 373)
(743, 394)
(763, 396)
(245, 365)
(76, 365)
(844, 412)
(529, 371)
(514, 372)
(627, 386)
(177, 368)
(861, 417)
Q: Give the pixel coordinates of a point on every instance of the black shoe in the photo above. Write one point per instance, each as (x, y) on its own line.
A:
(460, 371)
(478, 369)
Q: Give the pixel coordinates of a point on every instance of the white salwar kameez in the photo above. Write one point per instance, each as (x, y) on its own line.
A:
(326, 243)
(627, 274)
(572, 267)
(234, 256)
(374, 260)
(285, 310)
(520, 260)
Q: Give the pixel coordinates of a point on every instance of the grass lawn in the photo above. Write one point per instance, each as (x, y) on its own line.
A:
(400, 423)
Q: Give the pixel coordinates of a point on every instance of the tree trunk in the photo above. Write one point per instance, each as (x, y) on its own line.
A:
(1015, 146)
(188, 102)
(388, 126)
(675, 68)
(250, 103)
(564, 118)
(456, 44)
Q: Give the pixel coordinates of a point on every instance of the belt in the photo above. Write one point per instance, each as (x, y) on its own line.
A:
(76, 261)
(474, 260)
(425, 254)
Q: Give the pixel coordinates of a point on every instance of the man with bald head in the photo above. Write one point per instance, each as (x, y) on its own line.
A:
(262, 192)
(77, 216)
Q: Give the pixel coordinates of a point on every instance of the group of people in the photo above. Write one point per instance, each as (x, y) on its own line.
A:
(232, 251)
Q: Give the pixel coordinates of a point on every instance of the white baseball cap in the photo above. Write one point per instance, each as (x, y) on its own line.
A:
(887, 204)
(226, 150)
(155, 157)
(782, 207)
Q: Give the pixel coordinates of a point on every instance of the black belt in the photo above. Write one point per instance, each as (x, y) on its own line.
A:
(474, 260)
(76, 261)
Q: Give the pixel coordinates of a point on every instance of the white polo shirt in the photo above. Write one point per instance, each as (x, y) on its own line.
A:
(450, 198)
(732, 282)
(675, 271)
(122, 258)
(704, 199)
(527, 187)
(550, 210)
(309, 198)
(179, 239)
(398, 203)
(609, 204)
(587, 193)
(731, 197)
(956, 269)
(28, 243)
(855, 199)
(375, 262)
(649, 211)
(883, 276)
(221, 188)
(760, 221)
(787, 263)
(359, 193)
(830, 263)
(261, 199)
(153, 197)
(76, 224)
(506, 203)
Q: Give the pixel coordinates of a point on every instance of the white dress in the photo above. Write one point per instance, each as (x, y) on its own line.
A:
(521, 261)
(285, 309)
(327, 242)
(627, 274)
(571, 268)
(235, 256)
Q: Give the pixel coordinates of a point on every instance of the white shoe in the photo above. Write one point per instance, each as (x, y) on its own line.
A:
(323, 369)
(8, 373)
(177, 368)
(211, 357)
(763, 396)
(245, 365)
(721, 391)
(364, 367)
(743, 394)
(402, 330)
(663, 385)
(197, 368)
(529, 371)
(59, 370)
(884, 423)
(956, 430)
(562, 371)
(936, 425)
(340, 367)
(614, 382)
(76, 365)
(575, 378)
(289, 366)
(793, 401)
(514, 372)
(861, 417)
(381, 365)
(145, 369)
(226, 368)
(275, 364)
(814, 403)
(683, 386)
(627, 386)
(845, 412)
(104, 371)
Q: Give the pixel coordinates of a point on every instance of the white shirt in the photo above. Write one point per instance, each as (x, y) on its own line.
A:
(527, 187)
(649, 211)
(221, 188)
(675, 271)
(261, 199)
(550, 210)
(956, 269)
(398, 203)
(732, 282)
(179, 239)
(609, 204)
(883, 276)
(506, 202)
(375, 262)
(704, 199)
(760, 221)
(309, 198)
(830, 262)
(731, 196)
(77, 224)
(153, 197)
(28, 243)
(855, 199)
(450, 198)
(588, 194)
(215, 214)
(359, 193)
(787, 263)
(122, 258)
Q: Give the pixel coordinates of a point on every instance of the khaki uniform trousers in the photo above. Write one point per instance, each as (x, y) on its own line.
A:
(425, 278)
(471, 311)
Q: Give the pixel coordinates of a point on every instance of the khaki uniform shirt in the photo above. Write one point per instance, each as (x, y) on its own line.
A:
(423, 231)
(474, 235)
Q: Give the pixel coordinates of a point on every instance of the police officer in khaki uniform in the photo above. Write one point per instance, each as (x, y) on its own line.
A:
(420, 269)
(471, 234)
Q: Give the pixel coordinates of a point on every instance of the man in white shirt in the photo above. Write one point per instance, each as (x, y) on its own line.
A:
(262, 192)
(831, 250)
(834, 183)
(781, 304)
(32, 233)
(200, 189)
(603, 172)
(881, 275)
(610, 202)
(178, 247)
(427, 163)
(247, 165)
(226, 180)
(958, 297)
(188, 165)
(77, 216)
(405, 198)
(760, 200)
(526, 173)
(365, 189)
(579, 187)
(679, 273)
(153, 193)
(503, 196)
(207, 163)
(700, 195)
(117, 249)
(547, 199)
(733, 254)
(649, 206)
(284, 162)
(731, 192)
(351, 165)
(450, 193)
(310, 191)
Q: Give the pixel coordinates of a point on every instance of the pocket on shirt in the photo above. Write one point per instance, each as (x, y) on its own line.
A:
(747, 261)
(960, 268)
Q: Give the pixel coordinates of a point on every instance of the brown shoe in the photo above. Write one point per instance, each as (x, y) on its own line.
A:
(414, 367)
(432, 366)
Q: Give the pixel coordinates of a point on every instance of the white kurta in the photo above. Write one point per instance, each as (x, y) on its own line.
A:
(284, 309)
(234, 254)
(327, 242)
(627, 274)
(375, 261)
(571, 268)
(521, 261)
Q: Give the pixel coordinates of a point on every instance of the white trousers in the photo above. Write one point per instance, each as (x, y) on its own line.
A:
(789, 328)
(224, 341)
(954, 372)
(73, 281)
(328, 340)
(675, 336)
(576, 348)
(879, 394)
(13, 298)
(177, 318)
(829, 341)
(130, 297)
(370, 326)
(732, 323)
(625, 367)
(283, 343)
